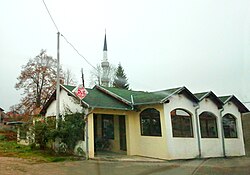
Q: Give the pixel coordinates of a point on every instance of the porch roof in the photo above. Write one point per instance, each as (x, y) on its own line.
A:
(98, 99)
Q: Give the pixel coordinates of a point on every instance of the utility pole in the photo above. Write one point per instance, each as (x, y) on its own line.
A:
(58, 83)
(86, 123)
(82, 77)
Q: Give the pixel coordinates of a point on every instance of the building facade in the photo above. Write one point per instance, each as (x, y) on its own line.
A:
(168, 124)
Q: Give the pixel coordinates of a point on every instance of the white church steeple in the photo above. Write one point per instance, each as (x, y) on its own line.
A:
(105, 79)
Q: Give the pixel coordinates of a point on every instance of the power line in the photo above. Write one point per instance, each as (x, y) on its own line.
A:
(50, 16)
(77, 51)
(65, 37)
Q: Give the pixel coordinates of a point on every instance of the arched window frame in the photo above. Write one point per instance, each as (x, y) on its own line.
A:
(182, 125)
(208, 125)
(150, 122)
(230, 131)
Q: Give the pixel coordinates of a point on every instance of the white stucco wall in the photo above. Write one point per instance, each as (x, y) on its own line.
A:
(211, 147)
(66, 102)
(234, 146)
(80, 144)
(180, 147)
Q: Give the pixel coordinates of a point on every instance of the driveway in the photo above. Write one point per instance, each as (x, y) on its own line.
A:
(214, 166)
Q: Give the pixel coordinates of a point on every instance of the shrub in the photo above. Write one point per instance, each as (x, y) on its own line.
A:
(2, 137)
(69, 132)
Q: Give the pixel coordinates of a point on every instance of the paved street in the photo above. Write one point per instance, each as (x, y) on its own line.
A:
(216, 166)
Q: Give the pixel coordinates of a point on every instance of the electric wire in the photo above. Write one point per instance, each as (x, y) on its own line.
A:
(77, 51)
(66, 38)
(51, 16)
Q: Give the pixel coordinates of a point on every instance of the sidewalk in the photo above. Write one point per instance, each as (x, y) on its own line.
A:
(119, 157)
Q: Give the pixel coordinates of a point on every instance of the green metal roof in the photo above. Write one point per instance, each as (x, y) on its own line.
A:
(200, 95)
(242, 108)
(224, 98)
(115, 98)
(96, 98)
(69, 87)
(210, 95)
(141, 97)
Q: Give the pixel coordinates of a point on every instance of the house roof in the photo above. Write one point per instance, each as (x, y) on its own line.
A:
(1, 109)
(122, 99)
(95, 98)
(98, 99)
(242, 108)
(142, 97)
(210, 95)
(116, 98)
(69, 87)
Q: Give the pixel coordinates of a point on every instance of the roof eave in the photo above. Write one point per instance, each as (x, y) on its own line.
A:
(181, 90)
(242, 108)
(73, 95)
(215, 99)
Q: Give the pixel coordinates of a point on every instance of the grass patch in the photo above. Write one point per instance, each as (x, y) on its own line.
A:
(12, 149)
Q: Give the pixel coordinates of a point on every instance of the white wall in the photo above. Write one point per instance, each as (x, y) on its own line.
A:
(234, 146)
(211, 147)
(181, 148)
(65, 102)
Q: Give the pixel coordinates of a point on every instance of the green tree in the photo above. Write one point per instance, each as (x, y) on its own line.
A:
(120, 80)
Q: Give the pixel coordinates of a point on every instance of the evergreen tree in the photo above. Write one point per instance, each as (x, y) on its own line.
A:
(120, 80)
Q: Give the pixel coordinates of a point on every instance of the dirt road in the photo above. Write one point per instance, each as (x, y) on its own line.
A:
(16, 166)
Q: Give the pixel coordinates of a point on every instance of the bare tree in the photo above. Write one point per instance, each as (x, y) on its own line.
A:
(69, 78)
(96, 75)
(38, 80)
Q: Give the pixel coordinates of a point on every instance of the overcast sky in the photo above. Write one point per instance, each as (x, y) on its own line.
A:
(201, 44)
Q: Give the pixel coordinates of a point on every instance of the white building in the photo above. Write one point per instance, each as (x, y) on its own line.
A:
(168, 124)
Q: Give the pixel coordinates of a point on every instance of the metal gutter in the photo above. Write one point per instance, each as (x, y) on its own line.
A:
(222, 133)
(198, 129)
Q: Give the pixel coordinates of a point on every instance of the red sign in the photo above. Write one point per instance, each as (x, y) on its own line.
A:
(81, 92)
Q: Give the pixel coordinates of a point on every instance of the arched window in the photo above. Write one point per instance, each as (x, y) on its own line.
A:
(150, 122)
(229, 126)
(208, 125)
(181, 123)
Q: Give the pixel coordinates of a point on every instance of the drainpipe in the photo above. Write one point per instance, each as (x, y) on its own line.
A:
(198, 129)
(132, 102)
(222, 133)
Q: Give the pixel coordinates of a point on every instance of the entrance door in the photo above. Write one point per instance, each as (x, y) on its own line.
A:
(122, 130)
